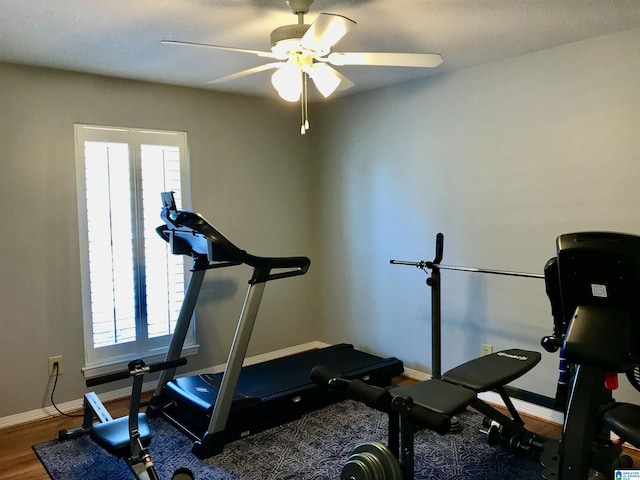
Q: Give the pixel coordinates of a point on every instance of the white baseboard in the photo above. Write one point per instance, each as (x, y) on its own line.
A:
(416, 374)
(75, 405)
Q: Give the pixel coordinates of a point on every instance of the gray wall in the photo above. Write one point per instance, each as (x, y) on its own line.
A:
(249, 173)
(501, 158)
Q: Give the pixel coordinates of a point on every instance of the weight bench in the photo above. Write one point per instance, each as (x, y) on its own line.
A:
(433, 403)
(487, 373)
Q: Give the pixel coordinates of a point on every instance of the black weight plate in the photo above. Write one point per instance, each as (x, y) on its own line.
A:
(356, 469)
(388, 462)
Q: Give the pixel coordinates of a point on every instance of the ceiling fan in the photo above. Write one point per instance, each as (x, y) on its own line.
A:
(304, 51)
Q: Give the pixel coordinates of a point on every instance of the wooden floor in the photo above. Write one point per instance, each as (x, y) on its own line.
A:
(18, 461)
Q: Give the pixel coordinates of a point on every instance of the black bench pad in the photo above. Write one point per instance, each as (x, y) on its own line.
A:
(113, 436)
(624, 421)
(437, 395)
(494, 370)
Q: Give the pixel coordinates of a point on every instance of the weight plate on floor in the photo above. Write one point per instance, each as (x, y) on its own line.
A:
(388, 461)
(182, 474)
(358, 467)
(374, 464)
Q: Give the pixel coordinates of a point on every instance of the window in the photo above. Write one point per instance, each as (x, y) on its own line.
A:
(132, 286)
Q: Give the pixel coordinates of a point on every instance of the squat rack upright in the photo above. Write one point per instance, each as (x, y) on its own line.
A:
(434, 282)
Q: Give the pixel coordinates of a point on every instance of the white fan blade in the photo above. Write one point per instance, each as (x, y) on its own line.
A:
(325, 32)
(345, 84)
(249, 71)
(259, 53)
(421, 60)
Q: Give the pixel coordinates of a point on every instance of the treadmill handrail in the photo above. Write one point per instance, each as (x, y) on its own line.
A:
(197, 237)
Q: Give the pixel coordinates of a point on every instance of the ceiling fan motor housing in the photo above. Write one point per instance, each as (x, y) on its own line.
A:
(299, 6)
(284, 38)
(289, 32)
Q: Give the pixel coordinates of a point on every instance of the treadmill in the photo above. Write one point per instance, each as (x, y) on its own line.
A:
(216, 408)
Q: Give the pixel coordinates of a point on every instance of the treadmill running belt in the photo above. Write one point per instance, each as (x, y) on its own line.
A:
(291, 373)
(275, 391)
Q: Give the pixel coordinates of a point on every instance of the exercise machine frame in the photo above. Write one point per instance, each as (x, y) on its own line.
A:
(594, 282)
(127, 437)
(213, 250)
(245, 400)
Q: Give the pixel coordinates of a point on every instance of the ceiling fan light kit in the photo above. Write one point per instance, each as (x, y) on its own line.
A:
(288, 82)
(304, 51)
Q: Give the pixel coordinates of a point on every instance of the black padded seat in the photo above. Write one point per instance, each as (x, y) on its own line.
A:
(436, 395)
(624, 421)
(113, 435)
(494, 370)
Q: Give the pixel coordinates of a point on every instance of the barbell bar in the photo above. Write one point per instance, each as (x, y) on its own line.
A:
(431, 265)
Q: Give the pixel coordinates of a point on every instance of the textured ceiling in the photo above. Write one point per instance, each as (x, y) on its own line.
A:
(122, 38)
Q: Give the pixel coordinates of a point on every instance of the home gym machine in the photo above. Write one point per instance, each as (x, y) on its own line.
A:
(425, 404)
(127, 437)
(216, 408)
(596, 278)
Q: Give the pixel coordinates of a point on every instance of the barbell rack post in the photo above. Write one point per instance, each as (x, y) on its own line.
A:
(434, 282)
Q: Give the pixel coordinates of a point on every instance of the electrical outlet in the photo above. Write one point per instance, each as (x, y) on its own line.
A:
(485, 349)
(52, 368)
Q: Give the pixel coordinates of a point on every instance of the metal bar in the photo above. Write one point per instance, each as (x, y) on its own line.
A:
(436, 316)
(236, 358)
(580, 423)
(422, 264)
(182, 327)
(436, 325)
(488, 270)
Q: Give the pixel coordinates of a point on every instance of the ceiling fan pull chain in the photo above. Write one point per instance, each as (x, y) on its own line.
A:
(303, 106)
(302, 130)
(306, 103)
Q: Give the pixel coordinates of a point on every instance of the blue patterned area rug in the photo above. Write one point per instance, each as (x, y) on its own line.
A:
(313, 448)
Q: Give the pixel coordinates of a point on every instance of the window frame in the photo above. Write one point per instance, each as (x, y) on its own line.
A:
(97, 360)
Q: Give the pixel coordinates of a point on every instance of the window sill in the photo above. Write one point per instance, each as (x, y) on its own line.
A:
(91, 371)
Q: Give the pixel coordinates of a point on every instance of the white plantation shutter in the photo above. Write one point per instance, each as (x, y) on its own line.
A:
(164, 276)
(132, 285)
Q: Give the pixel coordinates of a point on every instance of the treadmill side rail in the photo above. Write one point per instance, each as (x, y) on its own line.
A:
(236, 358)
